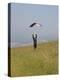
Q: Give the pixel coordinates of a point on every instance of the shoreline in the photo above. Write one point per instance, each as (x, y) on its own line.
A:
(15, 45)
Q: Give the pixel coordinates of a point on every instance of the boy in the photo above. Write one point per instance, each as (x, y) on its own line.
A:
(34, 40)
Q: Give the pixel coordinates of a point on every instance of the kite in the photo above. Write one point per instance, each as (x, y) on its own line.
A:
(35, 24)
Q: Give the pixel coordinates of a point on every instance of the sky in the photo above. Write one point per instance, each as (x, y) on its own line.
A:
(23, 15)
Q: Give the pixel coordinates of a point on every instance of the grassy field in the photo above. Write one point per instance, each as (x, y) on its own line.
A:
(25, 61)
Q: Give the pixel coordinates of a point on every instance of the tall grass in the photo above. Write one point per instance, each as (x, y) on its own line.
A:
(25, 61)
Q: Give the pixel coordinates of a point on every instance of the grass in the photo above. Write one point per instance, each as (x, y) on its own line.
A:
(25, 61)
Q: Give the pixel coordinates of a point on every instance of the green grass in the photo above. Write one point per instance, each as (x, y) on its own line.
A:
(25, 61)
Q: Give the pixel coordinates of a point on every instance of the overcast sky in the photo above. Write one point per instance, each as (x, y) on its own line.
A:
(23, 15)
